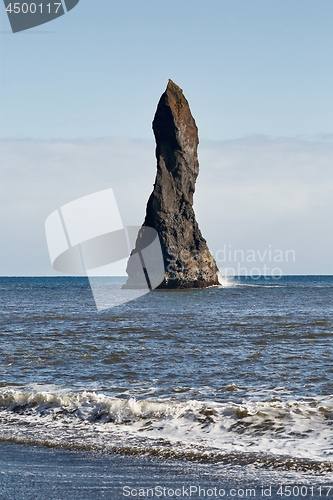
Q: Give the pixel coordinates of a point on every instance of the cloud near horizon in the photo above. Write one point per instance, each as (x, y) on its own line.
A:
(252, 193)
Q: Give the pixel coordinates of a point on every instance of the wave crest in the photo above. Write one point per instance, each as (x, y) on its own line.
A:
(274, 430)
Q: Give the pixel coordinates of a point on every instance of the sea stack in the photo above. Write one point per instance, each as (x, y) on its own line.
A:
(188, 262)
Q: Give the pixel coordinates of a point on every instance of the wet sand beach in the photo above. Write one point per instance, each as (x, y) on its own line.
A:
(36, 473)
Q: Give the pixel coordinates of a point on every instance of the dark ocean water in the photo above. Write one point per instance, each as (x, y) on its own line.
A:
(242, 373)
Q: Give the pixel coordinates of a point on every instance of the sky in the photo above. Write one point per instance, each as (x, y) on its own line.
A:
(78, 96)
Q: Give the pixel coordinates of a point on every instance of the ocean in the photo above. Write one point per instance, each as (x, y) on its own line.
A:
(239, 375)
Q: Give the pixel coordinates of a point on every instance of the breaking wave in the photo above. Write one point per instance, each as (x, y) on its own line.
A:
(288, 434)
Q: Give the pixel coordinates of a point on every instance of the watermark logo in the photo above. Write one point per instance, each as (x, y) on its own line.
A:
(253, 263)
(87, 237)
(24, 15)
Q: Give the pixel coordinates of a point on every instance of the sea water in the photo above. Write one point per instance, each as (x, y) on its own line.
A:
(240, 374)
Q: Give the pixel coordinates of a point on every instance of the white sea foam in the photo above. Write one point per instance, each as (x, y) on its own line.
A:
(292, 429)
(225, 281)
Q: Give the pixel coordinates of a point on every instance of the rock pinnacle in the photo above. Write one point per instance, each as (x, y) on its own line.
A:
(187, 260)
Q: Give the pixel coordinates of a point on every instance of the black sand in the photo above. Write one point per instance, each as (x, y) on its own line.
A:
(36, 473)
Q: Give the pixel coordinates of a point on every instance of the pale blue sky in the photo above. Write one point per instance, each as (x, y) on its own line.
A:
(78, 96)
(246, 66)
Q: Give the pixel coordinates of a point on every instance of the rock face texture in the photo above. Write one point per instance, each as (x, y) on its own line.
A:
(187, 260)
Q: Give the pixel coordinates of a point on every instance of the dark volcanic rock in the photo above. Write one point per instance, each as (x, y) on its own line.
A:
(187, 260)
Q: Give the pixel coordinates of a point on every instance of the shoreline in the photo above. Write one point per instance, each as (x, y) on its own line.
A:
(39, 472)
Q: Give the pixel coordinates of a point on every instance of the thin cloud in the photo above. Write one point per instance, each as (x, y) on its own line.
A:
(251, 192)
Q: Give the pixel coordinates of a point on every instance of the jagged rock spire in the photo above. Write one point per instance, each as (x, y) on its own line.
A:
(187, 259)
